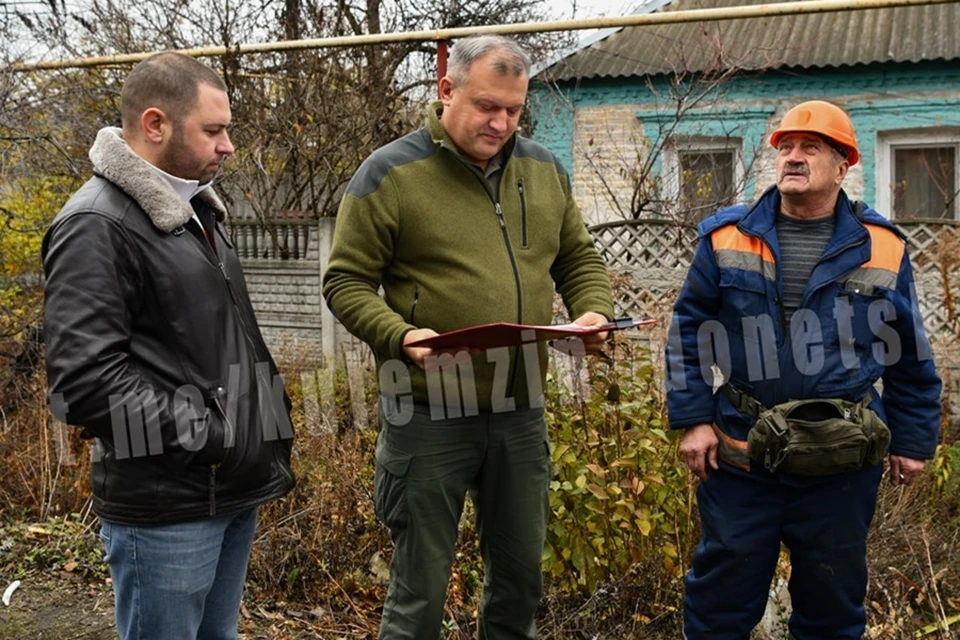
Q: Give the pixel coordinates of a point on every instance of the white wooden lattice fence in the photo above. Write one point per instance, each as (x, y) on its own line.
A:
(934, 246)
(654, 254)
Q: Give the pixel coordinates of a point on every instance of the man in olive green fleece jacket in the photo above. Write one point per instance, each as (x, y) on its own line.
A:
(463, 223)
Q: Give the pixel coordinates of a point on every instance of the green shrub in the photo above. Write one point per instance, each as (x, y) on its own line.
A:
(621, 497)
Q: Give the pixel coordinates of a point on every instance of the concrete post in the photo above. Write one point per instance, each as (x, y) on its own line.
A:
(328, 323)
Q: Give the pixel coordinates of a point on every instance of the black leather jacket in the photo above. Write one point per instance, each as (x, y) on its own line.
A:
(153, 348)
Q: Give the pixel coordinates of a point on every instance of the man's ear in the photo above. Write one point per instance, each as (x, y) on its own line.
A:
(155, 125)
(446, 89)
(844, 167)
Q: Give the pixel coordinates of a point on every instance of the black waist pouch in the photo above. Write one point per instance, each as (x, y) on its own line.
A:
(818, 437)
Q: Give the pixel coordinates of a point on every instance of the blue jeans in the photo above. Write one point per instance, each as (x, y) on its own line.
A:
(181, 581)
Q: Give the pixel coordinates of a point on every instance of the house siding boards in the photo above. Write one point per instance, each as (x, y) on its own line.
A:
(609, 113)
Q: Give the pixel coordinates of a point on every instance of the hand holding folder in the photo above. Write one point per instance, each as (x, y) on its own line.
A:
(508, 334)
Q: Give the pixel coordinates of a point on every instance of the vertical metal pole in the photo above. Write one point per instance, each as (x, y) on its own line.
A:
(441, 61)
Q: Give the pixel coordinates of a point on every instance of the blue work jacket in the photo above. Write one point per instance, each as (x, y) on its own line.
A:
(858, 322)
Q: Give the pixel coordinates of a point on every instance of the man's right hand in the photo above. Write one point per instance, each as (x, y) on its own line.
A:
(699, 445)
(417, 354)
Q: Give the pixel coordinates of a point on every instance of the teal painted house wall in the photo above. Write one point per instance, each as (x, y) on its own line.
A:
(880, 98)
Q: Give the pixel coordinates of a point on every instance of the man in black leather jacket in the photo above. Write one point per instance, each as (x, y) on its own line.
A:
(153, 349)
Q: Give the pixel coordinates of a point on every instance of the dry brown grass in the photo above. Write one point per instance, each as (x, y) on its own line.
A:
(46, 464)
(321, 550)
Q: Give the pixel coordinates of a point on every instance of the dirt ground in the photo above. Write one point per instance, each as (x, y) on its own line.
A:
(64, 607)
(58, 608)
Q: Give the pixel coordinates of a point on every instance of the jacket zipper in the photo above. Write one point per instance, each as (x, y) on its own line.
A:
(208, 250)
(831, 256)
(523, 215)
(268, 386)
(223, 414)
(516, 276)
(513, 260)
(213, 490)
(494, 198)
(246, 334)
(777, 300)
(416, 301)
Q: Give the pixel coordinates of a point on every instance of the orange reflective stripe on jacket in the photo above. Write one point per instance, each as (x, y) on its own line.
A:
(733, 452)
(886, 255)
(734, 250)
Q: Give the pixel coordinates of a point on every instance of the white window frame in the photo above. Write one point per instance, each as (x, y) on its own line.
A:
(671, 163)
(888, 142)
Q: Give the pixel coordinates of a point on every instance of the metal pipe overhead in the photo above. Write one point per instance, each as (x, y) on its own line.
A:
(667, 17)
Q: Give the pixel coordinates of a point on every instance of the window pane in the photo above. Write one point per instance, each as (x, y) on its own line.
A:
(924, 182)
(706, 182)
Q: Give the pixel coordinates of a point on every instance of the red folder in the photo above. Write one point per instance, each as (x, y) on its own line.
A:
(507, 334)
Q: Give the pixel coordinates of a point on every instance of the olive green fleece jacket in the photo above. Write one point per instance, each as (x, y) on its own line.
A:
(418, 221)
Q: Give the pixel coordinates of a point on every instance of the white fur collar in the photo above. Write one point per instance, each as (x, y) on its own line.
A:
(117, 162)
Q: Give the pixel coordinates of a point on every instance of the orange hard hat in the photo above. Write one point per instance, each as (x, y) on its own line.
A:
(825, 119)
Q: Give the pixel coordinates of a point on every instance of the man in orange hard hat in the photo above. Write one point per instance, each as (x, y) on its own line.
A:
(803, 301)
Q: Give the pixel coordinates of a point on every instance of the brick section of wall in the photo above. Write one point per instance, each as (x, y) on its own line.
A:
(606, 143)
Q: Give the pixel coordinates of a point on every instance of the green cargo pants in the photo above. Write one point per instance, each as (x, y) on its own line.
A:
(423, 472)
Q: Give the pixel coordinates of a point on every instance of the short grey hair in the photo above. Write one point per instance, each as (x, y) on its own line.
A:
(838, 156)
(510, 58)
